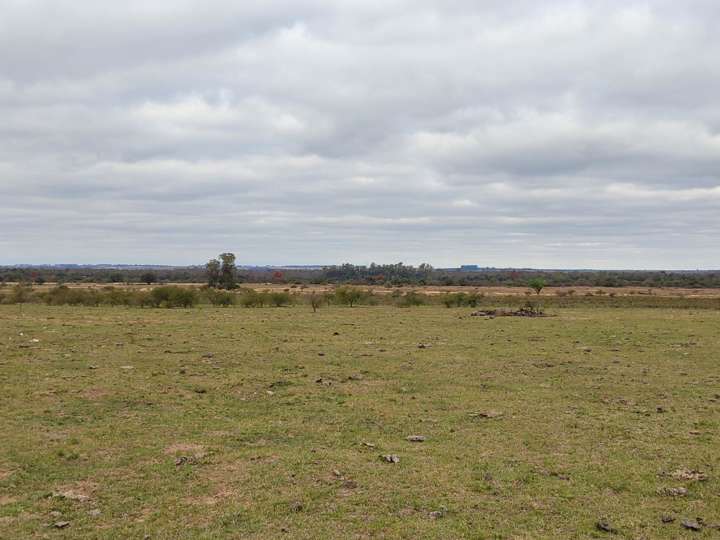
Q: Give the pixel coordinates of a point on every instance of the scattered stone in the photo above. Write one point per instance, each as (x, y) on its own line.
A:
(336, 333)
(522, 312)
(200, 391)
(189, 460)
(390, 458)
(691, 524)
(416, 438)
(321, 354)
(208, 355)
(486, 414)
(71, 495)
(672, 491)
(95, 512)
(337, 473)
(689, 475)
(92, 367)
(61, 524)
(56, 514)
(667, 518)
(297, 506)
(369, 445)
(661, 409)
(422, 346)
(127, 367)
(350, 484)
(605, 526)
(437, 514)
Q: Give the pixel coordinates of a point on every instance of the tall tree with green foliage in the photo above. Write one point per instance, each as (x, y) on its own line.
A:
(228, 271)
(212, 271)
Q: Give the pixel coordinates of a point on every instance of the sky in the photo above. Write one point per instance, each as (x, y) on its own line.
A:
(555, 134)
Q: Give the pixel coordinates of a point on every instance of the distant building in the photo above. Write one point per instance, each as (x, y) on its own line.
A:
(469, 267)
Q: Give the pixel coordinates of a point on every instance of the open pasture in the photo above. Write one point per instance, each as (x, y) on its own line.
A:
(282, 423)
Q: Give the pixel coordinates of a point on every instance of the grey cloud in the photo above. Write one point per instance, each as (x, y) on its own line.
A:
(561, 133)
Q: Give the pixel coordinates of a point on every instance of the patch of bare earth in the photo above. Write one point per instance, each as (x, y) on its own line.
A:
(79, 491)
(196, 450)
(94, 394)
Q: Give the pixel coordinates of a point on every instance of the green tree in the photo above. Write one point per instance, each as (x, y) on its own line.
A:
(228, 271)
(148, 278)
(212, 272)
(537, 284)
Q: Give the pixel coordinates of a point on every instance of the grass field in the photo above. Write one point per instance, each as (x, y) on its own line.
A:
(270, 423)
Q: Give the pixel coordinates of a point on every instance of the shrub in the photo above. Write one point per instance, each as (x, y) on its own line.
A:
(474, 298)
(315, 301)
(171, 296)
(20, 294)
(250, 298)
(348, 296)
(280, 298)
(411, 299)
(462, 299)
(220, 298)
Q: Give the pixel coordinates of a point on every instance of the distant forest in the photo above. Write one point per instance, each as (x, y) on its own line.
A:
(375, 274)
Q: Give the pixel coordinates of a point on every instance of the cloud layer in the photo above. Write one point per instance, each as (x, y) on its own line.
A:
(553, 134)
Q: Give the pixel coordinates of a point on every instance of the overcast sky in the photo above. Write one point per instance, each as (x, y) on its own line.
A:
(547, 134)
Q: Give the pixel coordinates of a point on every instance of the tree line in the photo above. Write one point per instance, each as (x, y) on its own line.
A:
(224, 273)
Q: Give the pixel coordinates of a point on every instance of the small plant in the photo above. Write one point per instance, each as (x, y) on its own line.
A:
(315, 301)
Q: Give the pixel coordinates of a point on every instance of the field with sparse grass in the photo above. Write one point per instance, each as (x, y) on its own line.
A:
(272, 422)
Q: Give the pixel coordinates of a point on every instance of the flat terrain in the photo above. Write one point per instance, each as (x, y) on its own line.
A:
(270, 423)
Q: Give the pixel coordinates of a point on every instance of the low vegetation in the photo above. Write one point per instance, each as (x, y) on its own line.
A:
(370, 421)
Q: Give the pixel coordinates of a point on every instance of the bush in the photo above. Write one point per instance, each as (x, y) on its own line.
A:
(411, 299)
(279, 299)
(220, 298)
(171, 296)
(460, 299)
(20, 294)
(250, 298)
(348, 296)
